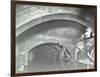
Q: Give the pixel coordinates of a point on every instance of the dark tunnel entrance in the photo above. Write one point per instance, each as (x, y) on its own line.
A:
(45, 56)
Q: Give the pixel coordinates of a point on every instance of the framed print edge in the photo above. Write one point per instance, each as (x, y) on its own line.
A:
(13, 39)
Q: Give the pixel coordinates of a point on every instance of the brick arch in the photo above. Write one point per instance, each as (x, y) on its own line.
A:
(60, 16)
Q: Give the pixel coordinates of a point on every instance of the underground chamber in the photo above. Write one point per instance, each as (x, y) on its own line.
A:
(59, 41)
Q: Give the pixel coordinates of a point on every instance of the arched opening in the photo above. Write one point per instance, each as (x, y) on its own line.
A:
(43, 53)
(45, 57)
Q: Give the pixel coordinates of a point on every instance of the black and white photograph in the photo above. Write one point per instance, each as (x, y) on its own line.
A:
(54, 37)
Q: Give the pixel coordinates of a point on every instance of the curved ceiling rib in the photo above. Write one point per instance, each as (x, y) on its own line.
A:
(60, 16)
